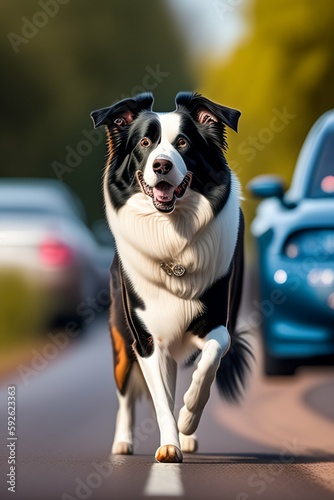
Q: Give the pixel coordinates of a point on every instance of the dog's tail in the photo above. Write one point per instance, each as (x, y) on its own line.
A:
(234, 367)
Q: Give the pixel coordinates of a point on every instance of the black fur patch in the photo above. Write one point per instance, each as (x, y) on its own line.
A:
(143, 340)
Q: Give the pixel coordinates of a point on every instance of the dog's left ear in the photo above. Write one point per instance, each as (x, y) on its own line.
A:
(123, 112)
(207, 112)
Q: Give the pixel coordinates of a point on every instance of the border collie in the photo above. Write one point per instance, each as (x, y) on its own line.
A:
(173, 206)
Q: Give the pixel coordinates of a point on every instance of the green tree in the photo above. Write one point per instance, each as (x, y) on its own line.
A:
(285, 66)
(60, 64)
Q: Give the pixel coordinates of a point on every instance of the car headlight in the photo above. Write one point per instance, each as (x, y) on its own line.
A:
(311, 243)
(321, 277)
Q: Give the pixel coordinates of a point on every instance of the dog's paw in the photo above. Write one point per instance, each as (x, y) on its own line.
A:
(169, 453)
(122, 448)
(189, 444)
(188, 421)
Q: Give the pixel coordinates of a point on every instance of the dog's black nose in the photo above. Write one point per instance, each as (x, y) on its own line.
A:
(162, 166)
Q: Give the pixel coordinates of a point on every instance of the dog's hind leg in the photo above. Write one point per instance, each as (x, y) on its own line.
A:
(159, 371)
(123, 439)
(129, 380)
(123, 444)
(214, 346)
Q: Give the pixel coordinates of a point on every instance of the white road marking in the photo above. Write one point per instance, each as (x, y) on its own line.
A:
(164, 480)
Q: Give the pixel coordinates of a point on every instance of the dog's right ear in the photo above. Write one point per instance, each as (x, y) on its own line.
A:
(123, 112)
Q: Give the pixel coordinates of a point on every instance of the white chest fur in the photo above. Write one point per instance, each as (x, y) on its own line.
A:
(190, 236)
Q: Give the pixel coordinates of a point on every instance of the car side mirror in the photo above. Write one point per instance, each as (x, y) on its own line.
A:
(267, 186)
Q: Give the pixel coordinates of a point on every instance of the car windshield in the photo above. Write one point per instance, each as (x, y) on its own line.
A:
(322, 183)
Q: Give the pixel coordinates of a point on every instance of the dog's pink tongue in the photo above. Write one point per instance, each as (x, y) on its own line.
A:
(163, 192)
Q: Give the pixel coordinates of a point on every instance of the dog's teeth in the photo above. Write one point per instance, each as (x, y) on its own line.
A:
(145, 187)
(181, 188)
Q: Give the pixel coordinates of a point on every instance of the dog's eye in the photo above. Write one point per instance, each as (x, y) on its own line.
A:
(145, 142)
(182, 143)
(120, 122)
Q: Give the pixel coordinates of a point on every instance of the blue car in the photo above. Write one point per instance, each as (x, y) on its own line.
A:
(294, 235)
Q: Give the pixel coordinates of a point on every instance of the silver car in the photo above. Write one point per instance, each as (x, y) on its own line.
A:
(43, 234)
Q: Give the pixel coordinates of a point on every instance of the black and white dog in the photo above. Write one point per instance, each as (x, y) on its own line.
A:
(173, 206)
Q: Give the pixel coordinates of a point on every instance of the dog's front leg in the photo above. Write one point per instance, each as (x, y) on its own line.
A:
(159, 371)
(214, 346)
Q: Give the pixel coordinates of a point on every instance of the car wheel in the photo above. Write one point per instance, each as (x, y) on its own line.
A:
(278, 366)
(62, 320)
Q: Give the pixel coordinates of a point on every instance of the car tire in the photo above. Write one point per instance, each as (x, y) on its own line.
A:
(62, 320)
(275, 367)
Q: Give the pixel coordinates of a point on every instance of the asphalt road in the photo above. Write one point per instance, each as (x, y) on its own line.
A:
(278, 444)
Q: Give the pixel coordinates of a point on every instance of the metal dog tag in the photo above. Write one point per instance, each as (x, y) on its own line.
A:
(177, 270)
(165, 267)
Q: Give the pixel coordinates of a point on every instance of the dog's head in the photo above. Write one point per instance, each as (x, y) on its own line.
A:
(163, 154)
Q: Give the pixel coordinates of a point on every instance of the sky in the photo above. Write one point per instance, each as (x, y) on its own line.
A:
(210, 26)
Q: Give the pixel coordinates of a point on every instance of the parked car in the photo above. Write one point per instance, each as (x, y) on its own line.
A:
(294, 234)
(44, 235)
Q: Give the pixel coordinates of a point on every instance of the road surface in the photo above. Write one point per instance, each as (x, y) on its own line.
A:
(278, 444)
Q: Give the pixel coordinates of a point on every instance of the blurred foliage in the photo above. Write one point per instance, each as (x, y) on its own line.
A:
(90, 54)
(25, 310)
(86, 55)
(284, 66)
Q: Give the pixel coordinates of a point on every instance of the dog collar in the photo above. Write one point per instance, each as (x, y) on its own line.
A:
(173, 269)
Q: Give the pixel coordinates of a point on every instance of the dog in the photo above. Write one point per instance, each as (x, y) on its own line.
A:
(173, 206)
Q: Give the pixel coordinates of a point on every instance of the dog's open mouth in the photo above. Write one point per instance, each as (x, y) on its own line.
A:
(164, 195)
